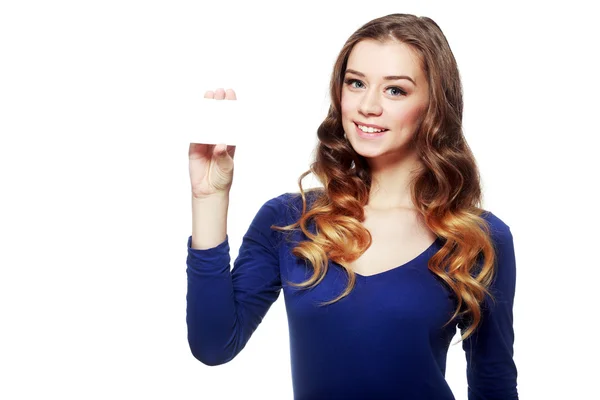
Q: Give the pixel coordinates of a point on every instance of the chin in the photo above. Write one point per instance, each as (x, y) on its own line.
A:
(369, 153)
(368, 150)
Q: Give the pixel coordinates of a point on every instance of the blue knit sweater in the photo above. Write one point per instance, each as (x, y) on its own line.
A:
(383, 341)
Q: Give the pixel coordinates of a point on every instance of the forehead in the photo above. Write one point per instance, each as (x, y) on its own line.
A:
(376, 59)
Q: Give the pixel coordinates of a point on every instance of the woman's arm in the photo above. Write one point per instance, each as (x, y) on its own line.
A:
(224, 307)
(491, 371)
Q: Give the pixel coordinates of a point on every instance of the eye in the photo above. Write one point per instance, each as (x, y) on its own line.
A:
(399, 92)
(351, 82)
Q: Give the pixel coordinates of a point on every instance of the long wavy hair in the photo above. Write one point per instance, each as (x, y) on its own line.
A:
(446, 192)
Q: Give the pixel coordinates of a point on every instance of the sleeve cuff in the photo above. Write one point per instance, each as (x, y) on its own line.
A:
(220, 246)
(207, 259)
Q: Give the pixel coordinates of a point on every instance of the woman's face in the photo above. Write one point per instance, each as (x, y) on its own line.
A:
(369, 98)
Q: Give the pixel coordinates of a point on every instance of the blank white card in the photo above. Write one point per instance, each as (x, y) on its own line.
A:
(219, 121)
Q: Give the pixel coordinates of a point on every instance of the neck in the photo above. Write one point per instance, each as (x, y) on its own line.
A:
(391, 178)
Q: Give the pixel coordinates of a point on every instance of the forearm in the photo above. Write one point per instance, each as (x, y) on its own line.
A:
(225, 305)
(209, 221)
(211, 309)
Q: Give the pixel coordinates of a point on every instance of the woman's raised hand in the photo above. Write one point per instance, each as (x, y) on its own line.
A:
(211, 165)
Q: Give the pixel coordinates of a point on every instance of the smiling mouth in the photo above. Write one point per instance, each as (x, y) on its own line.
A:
(370, 130)
(369, 135)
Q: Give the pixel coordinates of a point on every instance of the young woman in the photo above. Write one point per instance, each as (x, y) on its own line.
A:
(380, 265)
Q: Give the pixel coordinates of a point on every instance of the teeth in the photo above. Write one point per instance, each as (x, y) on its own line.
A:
(369, 129)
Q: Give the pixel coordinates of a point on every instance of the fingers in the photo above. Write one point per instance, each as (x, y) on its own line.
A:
(198, 150)
(203, 150)
(220, 94)
(230, 95)
(220, 149)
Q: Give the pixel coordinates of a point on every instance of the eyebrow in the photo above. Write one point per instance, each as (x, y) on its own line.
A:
(387, 78)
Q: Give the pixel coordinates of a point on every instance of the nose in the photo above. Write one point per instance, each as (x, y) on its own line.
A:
(369, 104)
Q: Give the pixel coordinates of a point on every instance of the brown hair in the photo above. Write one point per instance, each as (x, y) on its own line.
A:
(446, 191)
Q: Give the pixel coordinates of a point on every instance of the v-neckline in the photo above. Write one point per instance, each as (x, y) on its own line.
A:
(402, 266)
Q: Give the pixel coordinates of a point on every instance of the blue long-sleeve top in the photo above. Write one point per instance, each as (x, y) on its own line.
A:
(384, 340)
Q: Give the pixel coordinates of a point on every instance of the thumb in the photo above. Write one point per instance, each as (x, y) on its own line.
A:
(223, 158)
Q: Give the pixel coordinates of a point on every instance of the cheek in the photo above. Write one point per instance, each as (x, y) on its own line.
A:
(344, 105)
(408, 115)
(348, 103)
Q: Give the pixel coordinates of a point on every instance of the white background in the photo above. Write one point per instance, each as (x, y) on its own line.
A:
(96, 100)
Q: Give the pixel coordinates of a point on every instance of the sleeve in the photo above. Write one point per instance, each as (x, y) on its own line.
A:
(224, 307)
(491, 371)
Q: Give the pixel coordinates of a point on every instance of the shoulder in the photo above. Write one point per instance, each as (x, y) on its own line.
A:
(279, 204)
(290, 203)
(502, 239)
(499, 230)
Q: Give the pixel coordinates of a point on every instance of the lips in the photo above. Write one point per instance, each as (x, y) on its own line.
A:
(370, 125)
(366, 135)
